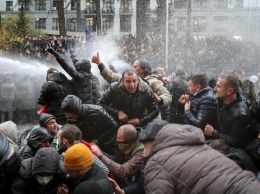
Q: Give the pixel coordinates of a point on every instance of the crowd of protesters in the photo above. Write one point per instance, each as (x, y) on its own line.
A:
(187, 130)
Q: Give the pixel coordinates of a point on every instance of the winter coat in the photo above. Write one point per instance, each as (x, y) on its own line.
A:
(95, 89)
(80, 72)
(94, 174)
(181, 163)
(37, 137)
(203, 109)
(9, 129)
(93, 121)
(9, 165)
(53, 91)
(155, 84)
(46, 160)
(179, 87)
(235, 124)
(139, 105)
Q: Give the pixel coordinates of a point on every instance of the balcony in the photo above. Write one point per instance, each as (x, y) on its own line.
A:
(108, 11)
(90, 10)
(125, 11)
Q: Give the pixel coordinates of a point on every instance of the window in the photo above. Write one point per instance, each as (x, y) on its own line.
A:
(125, 6)
(199, 4)
(108, 6)
(40, 23)
(125, 23)
(238, 4)
(90, 24)
(180, 4)
(199, 24)
(107, 23)
(73, 5)
(73, 24)
(179, 24)
(9, 6)
(24, 6)
(220, 24)
(90, 6)
(55, 24)
(40, 5)
(54, 5)
(221, 4)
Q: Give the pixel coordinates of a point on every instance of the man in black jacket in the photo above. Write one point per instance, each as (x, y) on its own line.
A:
(130, 101)
(199, 106)
(53, 91)
(95, 123)
(234, 117)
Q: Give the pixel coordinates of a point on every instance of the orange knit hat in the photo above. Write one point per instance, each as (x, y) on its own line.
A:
(78, 157)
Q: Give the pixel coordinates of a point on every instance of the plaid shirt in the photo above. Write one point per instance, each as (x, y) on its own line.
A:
(126, 169)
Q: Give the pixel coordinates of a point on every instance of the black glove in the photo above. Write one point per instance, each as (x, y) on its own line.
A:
(51, 50)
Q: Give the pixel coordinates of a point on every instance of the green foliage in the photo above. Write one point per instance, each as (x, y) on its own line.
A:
(17, 26)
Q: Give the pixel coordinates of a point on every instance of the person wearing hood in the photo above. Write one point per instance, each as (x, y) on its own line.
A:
(9, 129)
(41, 174)
(80, 73)
(180, 162)
(53, 91)
(96, 124)
(9, 164)
(130, 100)
(38, 138)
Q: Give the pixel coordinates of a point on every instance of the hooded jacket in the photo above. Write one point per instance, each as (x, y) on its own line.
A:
(181, 162)
(80, 72)
(93, 121)
(139, 105)
(9, 129)
(36, 138)
(53, 91)
(46, 160)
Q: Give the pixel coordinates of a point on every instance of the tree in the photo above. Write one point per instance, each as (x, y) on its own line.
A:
(161, 16)
(98, 17)
(61, 17)
(141, 27)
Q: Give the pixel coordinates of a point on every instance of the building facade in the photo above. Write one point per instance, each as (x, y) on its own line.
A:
(239, 19)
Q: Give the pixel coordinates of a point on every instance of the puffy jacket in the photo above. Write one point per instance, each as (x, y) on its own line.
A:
(46, 160)
(139, 105)
(182, 163)
(155, 84)
(203, 109)
(53, 91)
(37, 137)
(235, 124)
(95, 89)
(9, 165)
(80, 72)
(93, 121)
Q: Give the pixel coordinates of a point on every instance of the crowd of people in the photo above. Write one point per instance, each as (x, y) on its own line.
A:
(147, 131)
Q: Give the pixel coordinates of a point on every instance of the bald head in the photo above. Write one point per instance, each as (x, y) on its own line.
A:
(129, 132)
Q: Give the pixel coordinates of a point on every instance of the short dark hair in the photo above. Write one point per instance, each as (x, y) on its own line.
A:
(144, 64)
(220, 145)
(232, 81)
(200, 79)
(129, 72)
(71, 132)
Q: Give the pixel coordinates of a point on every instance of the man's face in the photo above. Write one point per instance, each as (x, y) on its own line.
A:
(138, 69)
(221, 89)
(75, 174)
(130, 82)
(192, 87)
(71, 115)
(52, 126)
(120, 136)
(147, 148)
